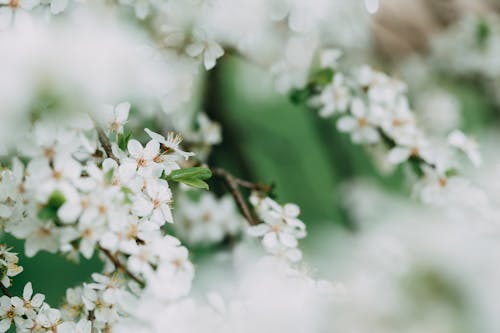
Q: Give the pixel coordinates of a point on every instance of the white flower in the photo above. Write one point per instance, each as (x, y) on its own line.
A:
(468, 146)
(411, 146)
(58, 6)
(116, 116)
(27, 304)
(48, 317)
(359, 124)
(143, 157)
(40, 236)
(8, 10)
(73, 304)
(169, 144)
(83, 326)
(9, 313)
(202, 46)
(207, 221)
(335, 97)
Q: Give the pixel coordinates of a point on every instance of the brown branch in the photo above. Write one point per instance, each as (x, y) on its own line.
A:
(233, 184)
(105, 143)
(120, 267)
(5, 290)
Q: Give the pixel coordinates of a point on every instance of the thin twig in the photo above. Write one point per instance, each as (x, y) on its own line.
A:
(5, 290)
(232, 184)
(105, 143)
(120, 267)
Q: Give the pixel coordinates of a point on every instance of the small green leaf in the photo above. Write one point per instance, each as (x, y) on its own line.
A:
(127, 192)
(415, 164)
(108, 176)
(483, 32)
(194, 182)
(123, 140)
(322, 77)
(451, 173)
(49, 211)
(191, 176)
(300, 96)
(196, 172)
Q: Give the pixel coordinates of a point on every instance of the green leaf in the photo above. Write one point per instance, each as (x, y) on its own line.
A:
(483, 32)
(451, 173)
(127, 194)
(123, 140)
(108, 176)
(191, 176)
(194, 182)
(415, 164)
(322, 77)
(49, 211)
(300, 96)
(196, 172)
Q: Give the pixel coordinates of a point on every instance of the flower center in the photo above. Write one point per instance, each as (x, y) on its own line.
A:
(362, 122)
(10, 314)
(102, 209)
(156, 203)
(141, 162)
(48, 152)
(57, 175)
(114, 126)
(443, 181)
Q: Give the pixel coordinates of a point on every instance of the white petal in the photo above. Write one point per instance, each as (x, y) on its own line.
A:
(152, 149)
(57, 6)
(398, 155)
(28, 291)
(69, 212)
(135, 149)
(195, 49)
(270, 240)
(258, 230)
(347, 124)
(122, 111)
(358, 108)
(287, 239)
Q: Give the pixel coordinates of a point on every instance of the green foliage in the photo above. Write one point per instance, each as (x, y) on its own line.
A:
(49, 211)
(483, 32)
(123, 140)
(193, 177)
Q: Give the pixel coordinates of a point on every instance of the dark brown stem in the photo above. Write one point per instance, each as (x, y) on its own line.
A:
(233, 184)
(105, 143)
(5, 290)
(120, 267)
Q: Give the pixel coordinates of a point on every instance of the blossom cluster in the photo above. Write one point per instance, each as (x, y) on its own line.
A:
(30, 312)
(207, 220)
(374, 109)
(8, 265)
(280, 227)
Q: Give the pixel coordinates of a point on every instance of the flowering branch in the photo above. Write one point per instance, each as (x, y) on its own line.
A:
(105, 143)
(120, 267)
(5, 290)
(233, 184)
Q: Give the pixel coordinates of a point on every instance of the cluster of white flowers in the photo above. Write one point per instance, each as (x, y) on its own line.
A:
(468, 48)
(30, 312)
(71, 199)
(374, 109)
(8, 265)
(280, 228)
(207, 220)
(11, 10)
